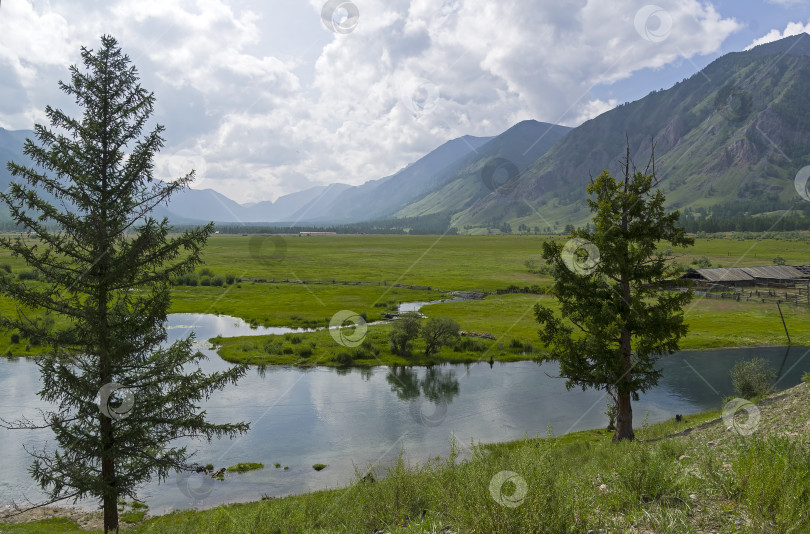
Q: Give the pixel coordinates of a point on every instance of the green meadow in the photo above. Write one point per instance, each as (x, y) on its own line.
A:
(303, 281)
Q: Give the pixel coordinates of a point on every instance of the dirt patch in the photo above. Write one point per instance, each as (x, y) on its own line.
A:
(85, 520)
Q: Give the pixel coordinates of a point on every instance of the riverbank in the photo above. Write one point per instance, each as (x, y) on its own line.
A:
(702, 474)
(320, 348)
(712, 325)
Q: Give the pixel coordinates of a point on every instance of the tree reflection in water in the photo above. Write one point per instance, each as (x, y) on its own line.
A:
(439, 386)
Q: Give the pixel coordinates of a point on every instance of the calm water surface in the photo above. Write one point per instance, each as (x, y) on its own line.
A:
(352, 419)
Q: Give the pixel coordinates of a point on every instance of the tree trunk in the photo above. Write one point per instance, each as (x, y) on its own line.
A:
(110, 498)
(624, 418)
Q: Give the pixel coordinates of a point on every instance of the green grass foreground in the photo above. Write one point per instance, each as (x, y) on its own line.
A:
(702, 478)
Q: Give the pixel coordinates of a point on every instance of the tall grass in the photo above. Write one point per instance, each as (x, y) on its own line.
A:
(553, 485)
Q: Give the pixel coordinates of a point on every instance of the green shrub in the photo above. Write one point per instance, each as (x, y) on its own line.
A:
(205, 271)
(437, 332)
(287, 350)
(189, 279)
(366, 351)
(344, 358)
(5, 267)
(205, 281)
(702, 263)
(611, 411)
(305, 352)
(29, 274)
(752, 378)
(404, 330)
(470, 344)
(15, 338)
(230, 279)
(217, 281)
(806, 377)
(318, 467)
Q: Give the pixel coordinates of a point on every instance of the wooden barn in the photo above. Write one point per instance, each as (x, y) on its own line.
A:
(769, 275)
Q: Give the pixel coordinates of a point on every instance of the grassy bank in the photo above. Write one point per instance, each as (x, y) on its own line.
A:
(319, 348)
(703, 478)
(712, 324)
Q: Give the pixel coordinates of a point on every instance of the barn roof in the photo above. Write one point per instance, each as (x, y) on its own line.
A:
(778, 272)
(742, 274)
(805, 269)
(724, 274)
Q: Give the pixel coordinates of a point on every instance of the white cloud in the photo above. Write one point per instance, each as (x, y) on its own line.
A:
(793, 28)
(357, 106)
(787, 3)
(594, 108)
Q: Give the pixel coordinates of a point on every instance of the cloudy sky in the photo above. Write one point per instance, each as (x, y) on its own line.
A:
(266, 98)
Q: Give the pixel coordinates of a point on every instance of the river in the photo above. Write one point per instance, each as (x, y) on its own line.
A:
(354, 418)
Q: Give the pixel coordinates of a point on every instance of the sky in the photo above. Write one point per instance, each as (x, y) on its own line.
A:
(266, 98)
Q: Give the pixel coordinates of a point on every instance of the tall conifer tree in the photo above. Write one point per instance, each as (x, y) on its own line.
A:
(121, 395)
(618, 317)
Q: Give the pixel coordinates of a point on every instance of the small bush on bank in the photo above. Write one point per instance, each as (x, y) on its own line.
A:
(28, 275)
(753, 378)
(344, 358)
(469, 344)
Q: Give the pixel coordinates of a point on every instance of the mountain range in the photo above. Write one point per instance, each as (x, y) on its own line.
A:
(727, 141)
